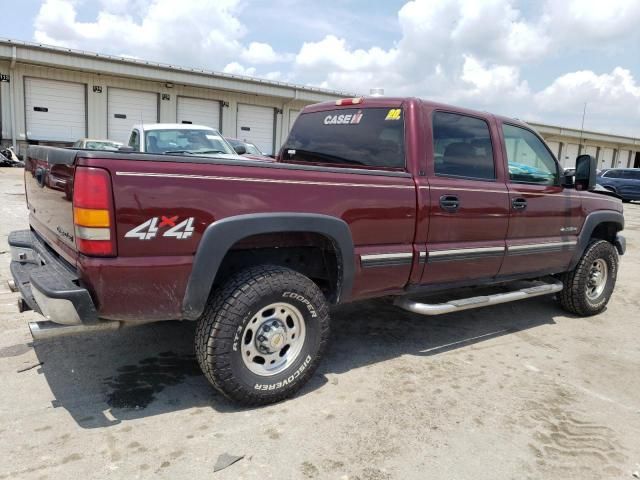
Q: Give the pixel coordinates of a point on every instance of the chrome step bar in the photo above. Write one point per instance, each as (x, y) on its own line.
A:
(540, 288)
(47, 330)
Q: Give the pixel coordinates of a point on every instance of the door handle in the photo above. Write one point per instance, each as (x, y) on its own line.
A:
(450, 203)
(519, 203)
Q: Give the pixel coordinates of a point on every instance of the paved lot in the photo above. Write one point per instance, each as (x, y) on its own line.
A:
(516, 391)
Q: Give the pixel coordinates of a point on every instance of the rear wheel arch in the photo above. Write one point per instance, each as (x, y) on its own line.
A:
(221, 236)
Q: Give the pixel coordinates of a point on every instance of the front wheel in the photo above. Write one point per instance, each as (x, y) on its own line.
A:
(263, 335)
(588, 288)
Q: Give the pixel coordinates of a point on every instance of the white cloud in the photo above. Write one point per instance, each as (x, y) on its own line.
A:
(590, 21)
(613, 99)
(184, 35)
(235, 68)
(259, 52)
(488, 83)
(458, 51)
(334, 52)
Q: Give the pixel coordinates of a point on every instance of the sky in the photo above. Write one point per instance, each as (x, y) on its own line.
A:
(535, 60)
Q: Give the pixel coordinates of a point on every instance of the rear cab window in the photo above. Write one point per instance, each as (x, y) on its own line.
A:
(370, 138)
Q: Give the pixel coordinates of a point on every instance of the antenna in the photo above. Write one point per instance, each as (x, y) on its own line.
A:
(584, 112)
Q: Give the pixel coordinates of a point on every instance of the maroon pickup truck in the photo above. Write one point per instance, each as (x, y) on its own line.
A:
(368, 197)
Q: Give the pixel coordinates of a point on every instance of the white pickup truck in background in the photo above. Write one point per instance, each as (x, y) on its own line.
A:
(180, 139)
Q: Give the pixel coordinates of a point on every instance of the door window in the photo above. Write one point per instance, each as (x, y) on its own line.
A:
(462, 147)
(529, 159)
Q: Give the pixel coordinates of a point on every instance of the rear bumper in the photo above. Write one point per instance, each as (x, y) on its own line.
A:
(47, 283)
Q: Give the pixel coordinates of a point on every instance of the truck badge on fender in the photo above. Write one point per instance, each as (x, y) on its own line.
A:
(149, 229)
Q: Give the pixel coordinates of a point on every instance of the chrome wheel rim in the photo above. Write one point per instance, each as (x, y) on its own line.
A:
(598, 274)
(273, 339)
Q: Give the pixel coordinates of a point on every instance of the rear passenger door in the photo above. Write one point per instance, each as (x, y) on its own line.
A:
(469, 206)
(545, 217)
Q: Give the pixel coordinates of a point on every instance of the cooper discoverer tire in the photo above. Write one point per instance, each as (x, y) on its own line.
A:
(588, 287)
(263, 334)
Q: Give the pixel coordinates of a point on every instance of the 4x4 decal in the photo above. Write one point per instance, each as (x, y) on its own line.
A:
(150, 228)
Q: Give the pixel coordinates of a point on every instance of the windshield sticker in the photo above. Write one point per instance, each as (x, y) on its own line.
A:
(212, 137)
(394, 114)
(348, 119)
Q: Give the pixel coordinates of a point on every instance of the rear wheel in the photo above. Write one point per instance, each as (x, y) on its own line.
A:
(588, 288)
(263, 335)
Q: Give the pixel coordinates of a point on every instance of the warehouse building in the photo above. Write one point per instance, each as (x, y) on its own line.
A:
(611, 151)
(51, 95)
(55, 96)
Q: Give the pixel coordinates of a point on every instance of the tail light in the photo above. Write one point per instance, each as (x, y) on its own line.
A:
(93, 212)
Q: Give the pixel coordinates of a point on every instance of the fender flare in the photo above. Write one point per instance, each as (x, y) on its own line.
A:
(591, 222)
(220, 236)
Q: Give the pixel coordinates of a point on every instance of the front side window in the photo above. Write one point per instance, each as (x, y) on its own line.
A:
(350, 137)
(528, 157)
(613, 174)
(462, 147)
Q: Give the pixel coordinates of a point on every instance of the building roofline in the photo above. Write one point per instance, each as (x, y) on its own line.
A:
(569, 131)
(171, 67)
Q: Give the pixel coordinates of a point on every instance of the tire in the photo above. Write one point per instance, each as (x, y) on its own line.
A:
(256, 314)
(580, 294)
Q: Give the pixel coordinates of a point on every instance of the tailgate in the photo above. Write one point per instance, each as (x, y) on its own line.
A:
(48, 178)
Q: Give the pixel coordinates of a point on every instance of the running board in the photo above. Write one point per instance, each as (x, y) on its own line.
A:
(46, 330)
(477, 302)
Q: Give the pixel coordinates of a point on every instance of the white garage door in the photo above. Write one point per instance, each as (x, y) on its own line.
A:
(589, 150)
(199, 111)
(623, 158)
(128, 107)
(293, 114)
(255, 124)
(554, 147)
(569, 155)
(55, 111)
(606, 157)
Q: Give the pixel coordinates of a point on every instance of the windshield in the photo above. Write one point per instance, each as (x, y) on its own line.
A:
(102, 145)
(369, 137)
(197, 141)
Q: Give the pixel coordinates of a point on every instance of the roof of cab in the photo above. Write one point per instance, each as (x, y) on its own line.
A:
(395, 102)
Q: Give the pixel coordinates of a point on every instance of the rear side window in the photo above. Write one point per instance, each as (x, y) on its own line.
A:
(462, 146)
(351, 137)
(632, 174)
(529, 159)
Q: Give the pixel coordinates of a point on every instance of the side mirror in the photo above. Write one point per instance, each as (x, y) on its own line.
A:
(585, 172)
(240, 149)
(125, 148)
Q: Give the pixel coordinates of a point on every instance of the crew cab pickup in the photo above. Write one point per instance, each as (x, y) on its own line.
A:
(369, 197)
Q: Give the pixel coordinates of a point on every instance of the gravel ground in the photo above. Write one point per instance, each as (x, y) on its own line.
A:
(519, 391)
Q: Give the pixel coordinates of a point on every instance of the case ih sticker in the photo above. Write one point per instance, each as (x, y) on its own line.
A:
(150, 228)
(348, 119)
